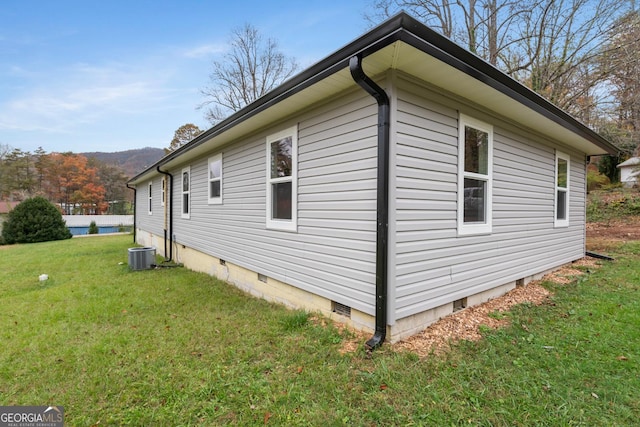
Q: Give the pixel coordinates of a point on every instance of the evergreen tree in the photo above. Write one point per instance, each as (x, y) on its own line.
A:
(34, 220)
(93, 228)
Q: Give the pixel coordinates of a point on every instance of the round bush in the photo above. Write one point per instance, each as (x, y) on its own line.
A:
(34, 220)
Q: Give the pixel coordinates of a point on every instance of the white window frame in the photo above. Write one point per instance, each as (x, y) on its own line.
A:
(562, 222)
(283, 224)
(163, 190)
(184, 193)
(150, 198)
(214, 200)
(474, 227)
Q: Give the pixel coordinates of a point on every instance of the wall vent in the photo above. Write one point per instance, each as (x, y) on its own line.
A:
(262, 278)
(459, 304)
(341, 309)
(519, 283)
(223, 262)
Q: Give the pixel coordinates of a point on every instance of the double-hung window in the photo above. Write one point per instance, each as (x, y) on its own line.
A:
(475, 170)
(186, 192)
(215, 179)
(282, 171)
(150, 199)
(163, 191)
(562, 190)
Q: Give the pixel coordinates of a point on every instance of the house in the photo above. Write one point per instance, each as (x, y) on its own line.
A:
(629, 171)
(396, 180)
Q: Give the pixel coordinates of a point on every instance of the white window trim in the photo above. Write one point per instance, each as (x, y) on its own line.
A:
(150, 198)
(214, 200)
(561, 222)
(182, 193)
(474, 228)
(163, 191)
(280, 224)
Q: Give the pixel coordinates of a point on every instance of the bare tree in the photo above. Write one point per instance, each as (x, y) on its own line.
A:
(562, 42)
(552, 46)
(252, 67)
(621, 62)
(485, 27)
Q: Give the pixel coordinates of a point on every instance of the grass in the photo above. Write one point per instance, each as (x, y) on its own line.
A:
(171, 347)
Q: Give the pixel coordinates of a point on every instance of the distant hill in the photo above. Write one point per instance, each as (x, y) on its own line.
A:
(131, 161)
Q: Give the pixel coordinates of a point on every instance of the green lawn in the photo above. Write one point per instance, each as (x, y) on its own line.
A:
(171, 347)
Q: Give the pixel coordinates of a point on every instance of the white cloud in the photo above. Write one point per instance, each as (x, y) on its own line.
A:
(81, 94)
(70, 106)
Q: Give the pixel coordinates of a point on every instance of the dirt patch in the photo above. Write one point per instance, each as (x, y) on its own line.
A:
(621, 229)
(601, 236)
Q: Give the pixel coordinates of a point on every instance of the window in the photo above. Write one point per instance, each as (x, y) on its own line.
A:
(282, 171)
(475, 170)
(163, 189)
(215, 179)
(150, 198)
(562, 190)
(186, 193)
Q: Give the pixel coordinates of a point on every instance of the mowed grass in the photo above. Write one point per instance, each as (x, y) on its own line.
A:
(170, 347)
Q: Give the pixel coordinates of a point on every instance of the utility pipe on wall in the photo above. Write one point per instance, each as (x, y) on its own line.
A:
(382, 208)
(170, 210)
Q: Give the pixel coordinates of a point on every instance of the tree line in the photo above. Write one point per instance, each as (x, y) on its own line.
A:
(75, 183)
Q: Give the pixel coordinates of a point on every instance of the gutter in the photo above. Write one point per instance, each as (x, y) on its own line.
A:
(170, 209)
(382, 207)
(135, 192)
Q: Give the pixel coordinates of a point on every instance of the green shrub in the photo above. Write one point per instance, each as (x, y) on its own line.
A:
(34, 220)
(596, 180)
(93, 228)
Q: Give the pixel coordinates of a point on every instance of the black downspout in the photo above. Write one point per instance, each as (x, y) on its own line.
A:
(170, 209)
(382, 231)
(135, 192)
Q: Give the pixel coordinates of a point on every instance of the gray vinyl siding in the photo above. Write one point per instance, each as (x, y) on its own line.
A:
(332, 254)
(153, 223)
(433, 265)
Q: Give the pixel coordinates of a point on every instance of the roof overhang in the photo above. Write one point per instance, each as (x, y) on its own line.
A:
(404, 44)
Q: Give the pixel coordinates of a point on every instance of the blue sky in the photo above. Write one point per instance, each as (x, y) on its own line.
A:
(114, 75)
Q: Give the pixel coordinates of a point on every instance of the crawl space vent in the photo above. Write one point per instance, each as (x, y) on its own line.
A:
(341, 309)
(459, 304)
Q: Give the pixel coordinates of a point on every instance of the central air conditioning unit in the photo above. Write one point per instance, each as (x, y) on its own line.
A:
(142, 258)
